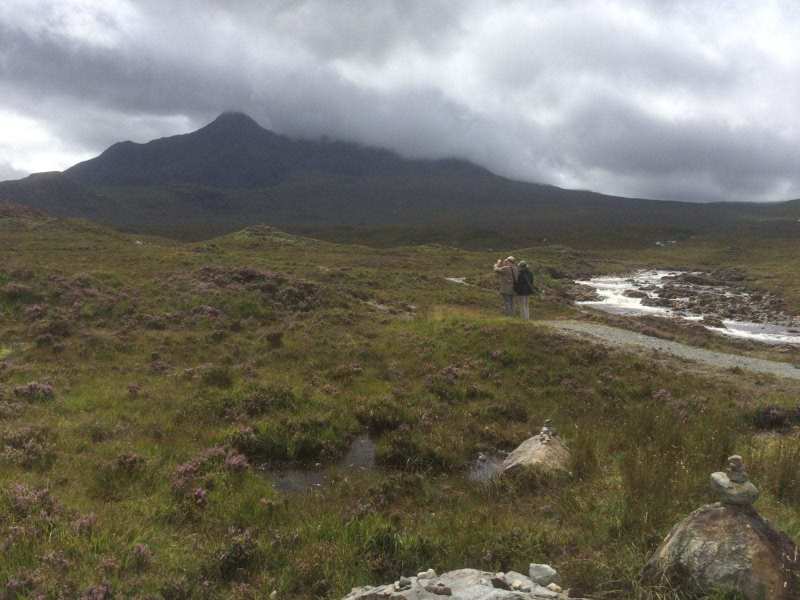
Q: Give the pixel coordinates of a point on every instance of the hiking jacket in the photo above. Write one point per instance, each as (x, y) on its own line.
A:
(524, 283)
(506, 275)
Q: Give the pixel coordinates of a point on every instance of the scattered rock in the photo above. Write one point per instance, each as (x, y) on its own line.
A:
(713, 321)
(555, 273)
(404, 583)
(728, 546)
(463, 584)
(716, 297)
(544, 451)
(438, 589)
(543, 574)
(583, 293)
(429, 574)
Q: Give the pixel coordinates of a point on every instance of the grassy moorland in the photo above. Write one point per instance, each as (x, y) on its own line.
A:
(150, 390)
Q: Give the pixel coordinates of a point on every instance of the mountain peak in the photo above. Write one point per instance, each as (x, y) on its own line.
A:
(234, 151)
(233, 121)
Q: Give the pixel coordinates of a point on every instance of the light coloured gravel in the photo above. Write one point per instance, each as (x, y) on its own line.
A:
(614, 336)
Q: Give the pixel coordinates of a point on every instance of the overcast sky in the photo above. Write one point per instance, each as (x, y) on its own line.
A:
(692, 100)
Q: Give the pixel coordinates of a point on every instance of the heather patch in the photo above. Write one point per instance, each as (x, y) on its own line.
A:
(299, 438)
(101, 591)
(85, 524)
(28, 447)
(35, 312)
(220, 377)
(141, 557)
(275, 290)
(256, 400)
(187, 474)
(239, 553)
(54, 328)
(33, 504)
(113, 478)
(17, 293)
(10, 409)
(34, 392)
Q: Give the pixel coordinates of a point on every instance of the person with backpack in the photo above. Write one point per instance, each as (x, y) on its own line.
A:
(523, 288)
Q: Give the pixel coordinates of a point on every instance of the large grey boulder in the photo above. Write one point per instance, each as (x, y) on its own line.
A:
(463, 584)
(544, 451)
(728, 546)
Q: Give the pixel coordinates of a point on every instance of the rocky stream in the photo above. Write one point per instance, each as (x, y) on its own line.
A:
(720, 301)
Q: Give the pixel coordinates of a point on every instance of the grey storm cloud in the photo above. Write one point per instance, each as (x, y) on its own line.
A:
(9, 172)
(678, 100)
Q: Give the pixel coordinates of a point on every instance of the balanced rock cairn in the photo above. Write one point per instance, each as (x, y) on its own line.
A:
(728, 546)
(548, 432)
(733, 486)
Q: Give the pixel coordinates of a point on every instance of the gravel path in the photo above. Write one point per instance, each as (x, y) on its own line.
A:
(622, 337)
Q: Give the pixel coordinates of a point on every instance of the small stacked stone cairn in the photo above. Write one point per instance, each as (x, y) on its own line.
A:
(548, 432)
(469, 584)
(728, 546)
(544, 451)
(733, 486)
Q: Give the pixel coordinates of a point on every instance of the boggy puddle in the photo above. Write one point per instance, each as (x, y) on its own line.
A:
(360, 457)
(485, 468)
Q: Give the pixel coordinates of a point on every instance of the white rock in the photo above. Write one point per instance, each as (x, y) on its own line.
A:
(429, 574)
(542, 574)
(521, 586)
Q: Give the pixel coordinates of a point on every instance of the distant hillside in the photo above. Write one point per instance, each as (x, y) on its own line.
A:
(17, 211)
(234, 173)
(55, 194)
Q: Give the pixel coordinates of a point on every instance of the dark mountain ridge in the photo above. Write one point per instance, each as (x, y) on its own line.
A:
(233, 173)
(234, 151)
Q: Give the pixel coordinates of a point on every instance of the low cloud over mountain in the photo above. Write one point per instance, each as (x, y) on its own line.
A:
(678, 100)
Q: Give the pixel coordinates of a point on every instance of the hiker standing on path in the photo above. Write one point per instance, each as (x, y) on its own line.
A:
(506, 273)
(523, 288)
